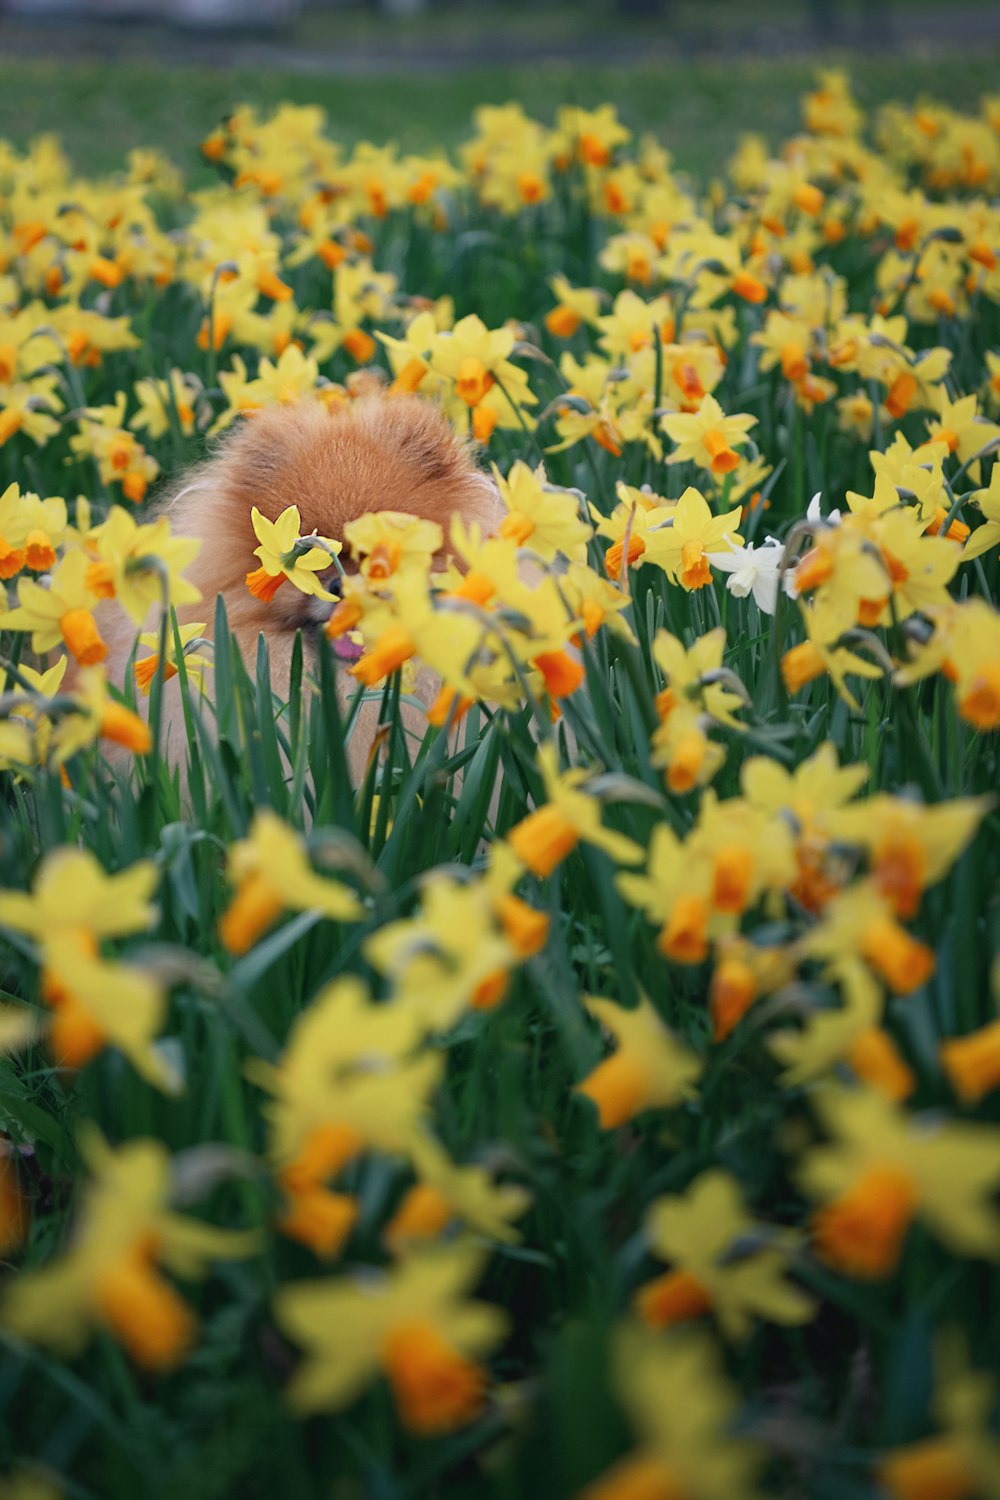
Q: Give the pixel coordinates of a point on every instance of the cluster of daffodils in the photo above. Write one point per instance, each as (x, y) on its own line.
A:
(646, 985)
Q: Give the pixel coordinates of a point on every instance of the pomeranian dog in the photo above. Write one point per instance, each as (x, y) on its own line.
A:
(378, 452)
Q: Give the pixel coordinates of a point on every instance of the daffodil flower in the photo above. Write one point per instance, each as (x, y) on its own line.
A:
(544, 838)
(649, 1069)
(756, 571)
(722, 1259)
(883, 1168)
(683, 1412)
(272, 875)
(110, 1277)
(287, 556)
(413, 1324)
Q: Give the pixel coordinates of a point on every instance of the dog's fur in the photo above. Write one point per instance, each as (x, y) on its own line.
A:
(377, 453)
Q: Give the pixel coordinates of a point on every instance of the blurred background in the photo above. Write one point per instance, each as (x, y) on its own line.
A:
(111, 74)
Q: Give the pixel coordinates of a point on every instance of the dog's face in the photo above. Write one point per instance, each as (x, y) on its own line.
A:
(380, 453)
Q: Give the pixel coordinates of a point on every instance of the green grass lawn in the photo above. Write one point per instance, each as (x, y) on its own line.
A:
(698, 109)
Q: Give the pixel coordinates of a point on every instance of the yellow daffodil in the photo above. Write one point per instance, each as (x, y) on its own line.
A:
(272, 875)
(544, 838)
(649, 1069)
(111, 1277)
(541, 517)
(683, 1412)
(413, 1324)
(707, 437)
(701, 1234)
(884, 1168)
(287, 556)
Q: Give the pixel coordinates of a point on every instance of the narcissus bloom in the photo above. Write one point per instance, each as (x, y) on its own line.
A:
(911, 846)
(884, 1168)
(544, 838)
(346, 1083)
(649, 1069)
(73, 894)
(691, 534)
(97, 715)
(193, 645)
(31, 530)
(414, 1325)
(62, 612)
(540, 516)
(988, 501)
(723, 1261)
(141, 565)
(861, 921)
(95, 1003)
(756, 571)
(272, 875)
(392, 541)
(285, 555)
(683, 1412)
(111, 1275)
(708, 437)
(453, 953)
(446, 1192)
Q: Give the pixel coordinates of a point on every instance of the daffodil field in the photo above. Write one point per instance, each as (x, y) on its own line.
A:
(600, 1095)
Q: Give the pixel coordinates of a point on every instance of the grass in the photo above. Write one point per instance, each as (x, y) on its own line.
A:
(697, 109)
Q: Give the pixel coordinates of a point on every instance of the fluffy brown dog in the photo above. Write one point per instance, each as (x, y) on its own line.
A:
(379, 452)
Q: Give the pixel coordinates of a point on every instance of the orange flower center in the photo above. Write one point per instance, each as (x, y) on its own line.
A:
(543, 840)
(393, 648)
(410, 376)
(320, 1220)
(874, 1057)
(436, 1389)
(616, 552)
(972, 1063)
(383, 560)
(120, 725)
(254, 908)
(676, 1297)
(688, 755)
(473, 381)
(562, 322)
(423, 1214)
(901, 872)
(903, 962)
(517, 526)
(980, 703)
(731, 878)
(526, 929)
(82, 637)
(39, 553)
(801, 665)
(794, 363)
(562, 675)
(12, 559)
(620, 1088)
(731, 994)
(723, 459)
(861, 1233)
(264, 585)
(684, 937)
(145, 1313)
(360, 345)
(695, 571)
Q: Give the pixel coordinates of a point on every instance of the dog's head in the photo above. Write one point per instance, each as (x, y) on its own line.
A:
(378, 453)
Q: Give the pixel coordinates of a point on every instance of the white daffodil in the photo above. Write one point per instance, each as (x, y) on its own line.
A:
(755, 570)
